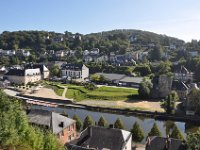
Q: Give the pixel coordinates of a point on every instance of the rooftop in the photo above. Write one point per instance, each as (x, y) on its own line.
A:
(52, 120)
(102, 138)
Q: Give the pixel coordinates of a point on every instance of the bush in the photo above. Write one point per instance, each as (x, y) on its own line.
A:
(119, 124)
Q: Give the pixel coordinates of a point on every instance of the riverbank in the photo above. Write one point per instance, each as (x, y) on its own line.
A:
(156, 115)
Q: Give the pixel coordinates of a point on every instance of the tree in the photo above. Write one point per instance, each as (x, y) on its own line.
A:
(95, 77)
(102, 122)
(15, 131)
(119, 124)
(88, 122)
(102, 79)
(155, 131)
(145, 89)
(156, 53)
(169, 103)
(176, 133)
(193, 99)
(137, 132)
(55, 71)
(79, 123)
(193, 140)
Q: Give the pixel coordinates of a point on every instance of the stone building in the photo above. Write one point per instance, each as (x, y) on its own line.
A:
(161, 86)
(182, 74)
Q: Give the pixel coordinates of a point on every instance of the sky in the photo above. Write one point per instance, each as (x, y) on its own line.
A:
(177, 18)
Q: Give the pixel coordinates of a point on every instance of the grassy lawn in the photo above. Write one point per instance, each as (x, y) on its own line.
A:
(102, 93)
(57, 89)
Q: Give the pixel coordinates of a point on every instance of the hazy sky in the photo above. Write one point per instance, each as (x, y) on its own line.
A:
(178, 18)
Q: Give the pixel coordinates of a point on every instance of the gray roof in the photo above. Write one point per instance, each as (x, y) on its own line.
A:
(112, 76)
(132, 79)
(158, 143)
(99, 138)
(49, 119)
(179, 85)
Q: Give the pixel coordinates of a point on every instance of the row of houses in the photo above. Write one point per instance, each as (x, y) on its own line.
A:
(20, 52)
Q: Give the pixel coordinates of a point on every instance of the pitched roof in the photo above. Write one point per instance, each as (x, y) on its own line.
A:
(179, 85)
(35, 66)
(17, 72)
(159, 143)
(132, 79)
(52, 120)
(112, 76)
(72, 66)
(103, 138)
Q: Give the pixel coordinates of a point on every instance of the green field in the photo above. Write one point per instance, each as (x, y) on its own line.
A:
(102, 93)
(57, 89)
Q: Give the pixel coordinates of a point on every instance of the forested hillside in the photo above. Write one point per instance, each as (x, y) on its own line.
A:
(116, 40)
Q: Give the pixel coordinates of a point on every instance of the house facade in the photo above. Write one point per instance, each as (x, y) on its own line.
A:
(63, 127)
(75, 71)
(28, 74)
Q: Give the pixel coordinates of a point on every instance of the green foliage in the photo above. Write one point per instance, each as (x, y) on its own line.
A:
(102, 122)
(16, 133)
(79, 123)
(193, 140)
(95, 78)
(55, 71)
(88, 122)
(169, 103)
(119, 124)
(143, 69)
(137, 132)
(90, 86)
(194, 100)
(176, 133)
(145, 89)
(155, 131)
(156, 53)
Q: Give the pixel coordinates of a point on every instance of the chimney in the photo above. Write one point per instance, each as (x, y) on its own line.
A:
(111, 126)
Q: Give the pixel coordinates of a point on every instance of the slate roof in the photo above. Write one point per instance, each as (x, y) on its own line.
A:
(35, 66)
(15, 71)
(112, 76)
(132, 79)
(49, 119)
(179, 85)
(72, 66)
(158, 143)
(99, 138)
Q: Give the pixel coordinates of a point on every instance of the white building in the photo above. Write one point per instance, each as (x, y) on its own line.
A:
(74, 71)
(30, 73)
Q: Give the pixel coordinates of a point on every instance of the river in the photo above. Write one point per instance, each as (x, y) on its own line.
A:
(145, 123)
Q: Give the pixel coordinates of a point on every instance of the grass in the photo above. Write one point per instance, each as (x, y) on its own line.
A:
(102, 93)
(57, 89)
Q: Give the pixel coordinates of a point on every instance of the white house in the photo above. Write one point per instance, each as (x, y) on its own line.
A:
(30, 73)
(74, 71)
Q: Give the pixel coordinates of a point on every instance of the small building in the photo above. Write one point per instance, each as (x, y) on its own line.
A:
(63, 127)
(160, 143)
(182, 74)
(75, 71)
(131, 81)
(99, 138)
(112, 77)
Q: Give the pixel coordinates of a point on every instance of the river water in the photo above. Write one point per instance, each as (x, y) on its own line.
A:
(145, 123)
